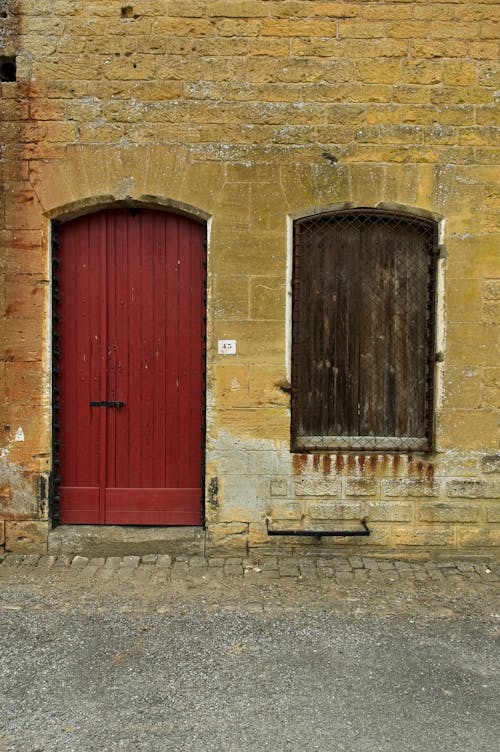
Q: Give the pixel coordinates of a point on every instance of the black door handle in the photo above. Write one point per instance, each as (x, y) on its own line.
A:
(111, 403)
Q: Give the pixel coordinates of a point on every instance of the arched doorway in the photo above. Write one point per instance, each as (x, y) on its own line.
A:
(129, 313)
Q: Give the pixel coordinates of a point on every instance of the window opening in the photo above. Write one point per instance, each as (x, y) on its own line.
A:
(363, 325)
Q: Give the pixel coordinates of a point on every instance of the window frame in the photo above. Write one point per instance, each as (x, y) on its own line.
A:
(363, 443)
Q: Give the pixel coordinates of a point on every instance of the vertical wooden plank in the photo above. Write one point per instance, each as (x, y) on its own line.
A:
(78, 380)
(122, 451)
(171, 354)
(197, 328)
(101, 249)
(148, 302)
(68, 381)
(94, 344)
(159, 349)
(108, 391)
(345, 312)
(374, 335)
(185, 346)
(402, 332)
(135, 454)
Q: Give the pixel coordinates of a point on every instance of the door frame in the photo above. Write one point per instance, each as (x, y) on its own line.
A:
(68, 213)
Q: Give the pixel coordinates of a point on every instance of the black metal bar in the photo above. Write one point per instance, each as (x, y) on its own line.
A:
(318, 534)
(54, 478)
(104, 403)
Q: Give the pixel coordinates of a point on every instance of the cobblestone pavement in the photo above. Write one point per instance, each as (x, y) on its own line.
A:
(359, 584)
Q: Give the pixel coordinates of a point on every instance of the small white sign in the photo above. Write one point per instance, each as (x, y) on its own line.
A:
(226, 347)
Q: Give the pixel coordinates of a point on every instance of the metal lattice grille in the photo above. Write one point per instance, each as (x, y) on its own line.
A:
(363, 331)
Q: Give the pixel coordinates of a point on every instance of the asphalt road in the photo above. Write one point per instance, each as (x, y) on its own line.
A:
(87, 667)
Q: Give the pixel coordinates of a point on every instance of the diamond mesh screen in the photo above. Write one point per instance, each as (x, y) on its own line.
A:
(363, 331)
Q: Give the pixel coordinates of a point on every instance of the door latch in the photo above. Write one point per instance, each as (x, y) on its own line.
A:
(112, 403)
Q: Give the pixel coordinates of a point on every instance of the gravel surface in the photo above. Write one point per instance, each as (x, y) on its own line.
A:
(114, 664)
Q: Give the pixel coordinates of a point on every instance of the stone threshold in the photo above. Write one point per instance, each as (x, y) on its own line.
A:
(118, 540)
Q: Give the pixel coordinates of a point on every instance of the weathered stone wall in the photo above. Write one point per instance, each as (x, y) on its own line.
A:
(226, 107)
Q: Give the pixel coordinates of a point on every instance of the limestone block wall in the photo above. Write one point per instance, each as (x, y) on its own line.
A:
(226, 109)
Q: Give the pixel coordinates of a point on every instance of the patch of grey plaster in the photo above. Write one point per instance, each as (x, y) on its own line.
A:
(125, 188)
(246, 468)
(18, 492)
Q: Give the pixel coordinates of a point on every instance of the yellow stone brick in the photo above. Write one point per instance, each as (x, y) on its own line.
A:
(468, 429)
(69, 67)
(463, 300)
(231, 297)
(327, 9)
(420, 535)
(183, 27)
(483, 50)
(230, 385)
(26, 537)
(478, 536)
(189, 8)
(68, 44)
(298, 27)
(487, 31)
(112, 45)
(422, 72)
(483, 136)
(215, 47)
(411, 94)
(23, 208)
(459, 73)
(257, 341)
(488, 156)
(435, 11)
(447, 95)
(271, 423)
(387, 11)
(490, 397)
(270, 46)
(368, 93)
(462, 386)
(317, 47)
(463, 115)
(233, 204)
(24, 383)
(488, 116)
(266, 386)
(473, 343)
(261, 69)
(361, 30)
(237, 8)
(423, 48)
(239, 27)
(246, 252)
(385, 72)
(222, 68)
(267, 298)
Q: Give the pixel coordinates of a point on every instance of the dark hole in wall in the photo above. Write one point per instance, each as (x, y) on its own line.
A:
(8, 69)
(127, 11)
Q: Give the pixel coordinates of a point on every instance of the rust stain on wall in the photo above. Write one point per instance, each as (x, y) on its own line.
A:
(327, 464)
(299, 463)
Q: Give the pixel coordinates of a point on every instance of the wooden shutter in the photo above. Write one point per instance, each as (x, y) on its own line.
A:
(363, 323)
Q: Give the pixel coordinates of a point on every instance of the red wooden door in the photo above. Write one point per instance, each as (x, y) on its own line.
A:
(131, 331)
